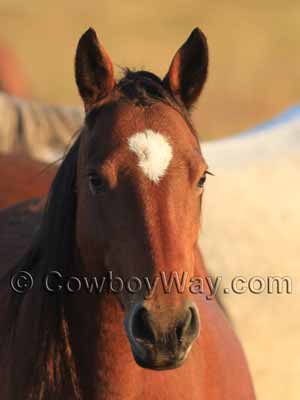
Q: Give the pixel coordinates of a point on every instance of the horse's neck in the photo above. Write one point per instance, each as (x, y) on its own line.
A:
(98, 340)
(100, 346)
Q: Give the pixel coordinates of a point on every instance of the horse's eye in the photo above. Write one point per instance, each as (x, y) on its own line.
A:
(97, 184)
(202, 181)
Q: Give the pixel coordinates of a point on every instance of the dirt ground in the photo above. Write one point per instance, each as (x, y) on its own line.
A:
(254, 49)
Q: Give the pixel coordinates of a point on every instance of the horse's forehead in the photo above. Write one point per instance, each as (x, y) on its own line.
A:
(147, 138)
(158, 117)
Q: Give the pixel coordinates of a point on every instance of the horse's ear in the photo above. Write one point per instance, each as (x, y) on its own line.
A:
(188, 70)
(93, 70)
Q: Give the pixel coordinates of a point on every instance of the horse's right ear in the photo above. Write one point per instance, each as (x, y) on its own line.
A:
(93, 70)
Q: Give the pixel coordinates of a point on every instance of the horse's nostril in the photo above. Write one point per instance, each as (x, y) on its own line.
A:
(183, 325)
(142, 329)
(194, 322)
(179, 332)
(189, 327)
(162, 341)
(151, 333)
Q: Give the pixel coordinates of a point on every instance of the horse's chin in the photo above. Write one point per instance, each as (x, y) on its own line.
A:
(159, 363)
(158, 367)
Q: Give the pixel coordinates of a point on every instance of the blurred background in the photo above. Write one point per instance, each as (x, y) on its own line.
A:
(251, 215)
(254, 50)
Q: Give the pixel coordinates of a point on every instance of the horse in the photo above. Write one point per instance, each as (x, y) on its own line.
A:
(125, 202)
(23, 178)
(258, 236)
(39, 130)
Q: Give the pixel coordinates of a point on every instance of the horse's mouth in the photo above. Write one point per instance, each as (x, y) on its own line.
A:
(159, 360)
(159, 365)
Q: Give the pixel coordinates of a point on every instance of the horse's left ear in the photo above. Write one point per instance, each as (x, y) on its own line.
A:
(93, 70)
(188, 71)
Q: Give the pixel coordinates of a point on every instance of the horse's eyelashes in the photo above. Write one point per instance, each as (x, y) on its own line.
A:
(97, 184)
(201, 181)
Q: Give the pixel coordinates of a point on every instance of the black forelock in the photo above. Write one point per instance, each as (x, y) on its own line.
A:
(143, 88)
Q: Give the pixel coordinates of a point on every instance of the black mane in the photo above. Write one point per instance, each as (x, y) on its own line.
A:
(45, 369)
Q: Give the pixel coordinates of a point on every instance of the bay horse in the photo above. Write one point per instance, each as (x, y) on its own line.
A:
(126, 200)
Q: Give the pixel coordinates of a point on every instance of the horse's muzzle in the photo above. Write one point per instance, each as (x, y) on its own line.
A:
(161, 346)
